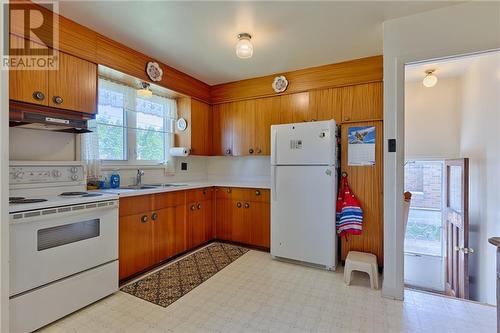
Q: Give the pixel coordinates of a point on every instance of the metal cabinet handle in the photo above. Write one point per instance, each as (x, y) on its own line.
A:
(144, 218)
(257, 192)
(193, 207)
(38, 95)
(228, 151)
(57, 99)
(250, 150)
(228, 190)
(247, 205)
(238, 204)
(199, 206)
(259, 151)
(154, 216)
(347, 118)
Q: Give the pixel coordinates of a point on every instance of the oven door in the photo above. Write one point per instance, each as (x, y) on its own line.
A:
(51, 244)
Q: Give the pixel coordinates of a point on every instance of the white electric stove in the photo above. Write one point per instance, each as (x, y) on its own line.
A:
(63, 243)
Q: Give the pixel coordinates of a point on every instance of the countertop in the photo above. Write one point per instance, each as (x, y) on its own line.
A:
(125, 192)
(495, 241)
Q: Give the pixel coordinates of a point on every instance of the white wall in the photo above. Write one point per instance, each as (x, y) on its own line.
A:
(480, 143)
(37, 145)
(432, 119)
(458, 29)
(251, 168)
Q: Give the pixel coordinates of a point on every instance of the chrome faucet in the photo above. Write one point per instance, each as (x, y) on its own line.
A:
(138, 179)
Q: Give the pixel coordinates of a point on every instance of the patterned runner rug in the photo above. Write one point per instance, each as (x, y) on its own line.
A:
(176, 280)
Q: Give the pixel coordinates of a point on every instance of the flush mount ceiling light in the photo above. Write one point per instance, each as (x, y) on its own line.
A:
(244, 47)
(145, 90)
(430, 79)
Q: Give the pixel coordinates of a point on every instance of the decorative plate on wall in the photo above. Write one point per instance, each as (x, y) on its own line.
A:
(154, 71)
(280, 84)
(181, 124)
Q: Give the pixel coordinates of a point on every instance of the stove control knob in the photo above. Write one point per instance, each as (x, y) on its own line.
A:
(56, 173)
(74, 170)
(74, 177)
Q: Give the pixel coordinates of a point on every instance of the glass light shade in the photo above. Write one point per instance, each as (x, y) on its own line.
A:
(430, 80)
(144, 92)
(244, 48)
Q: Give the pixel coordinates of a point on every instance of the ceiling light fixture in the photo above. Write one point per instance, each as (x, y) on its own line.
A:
(145, 90)
(244, 47)
(430, 79)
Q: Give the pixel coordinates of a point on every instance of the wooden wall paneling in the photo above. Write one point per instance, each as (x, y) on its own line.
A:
(222, 130)
(243, 127)
(335, 75)
(183, 138)
(362, 102)
(326, 104)
(23, 83)
(367, 184)
(267, 113)
(201, 128)
(294, 108)
(76, 83)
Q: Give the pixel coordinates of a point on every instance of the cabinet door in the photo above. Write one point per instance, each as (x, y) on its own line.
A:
(362, 102)
(180, 230)
(196, 224)
(267, 113)
(164, 222)
(25, 84)
(294, 108)
(207, 208)
(222, 129)
(75, 82)
(223, 218)
(326, 103)
(201, 127)
(243, 127)
(240, 228)
(259, 218)
(136, 249)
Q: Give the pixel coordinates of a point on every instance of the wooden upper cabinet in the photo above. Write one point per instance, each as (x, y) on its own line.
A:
(222, 130)
(362, 102)
(74, 85)
(267, 113)
(201, 127)
(326, 104)
(294, 108)
(243, 127)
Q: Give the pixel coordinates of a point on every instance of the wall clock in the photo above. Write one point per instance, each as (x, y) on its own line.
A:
(280, 84)
(181, 124)
(154, 71)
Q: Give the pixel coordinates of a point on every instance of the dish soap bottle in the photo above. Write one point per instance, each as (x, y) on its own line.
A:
(114, 181)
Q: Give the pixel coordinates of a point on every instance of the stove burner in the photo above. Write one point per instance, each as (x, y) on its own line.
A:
(72, 194)
(26, 201)
(16, 198)
(88, 195)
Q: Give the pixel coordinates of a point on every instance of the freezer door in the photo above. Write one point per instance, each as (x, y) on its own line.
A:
(312, 143)
(303, 214)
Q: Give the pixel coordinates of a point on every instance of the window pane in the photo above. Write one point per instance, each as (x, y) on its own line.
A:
(150, 145)
(108, 114)
(111, 142)
(149, 122)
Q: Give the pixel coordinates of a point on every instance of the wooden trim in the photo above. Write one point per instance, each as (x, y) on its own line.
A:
(346, 73)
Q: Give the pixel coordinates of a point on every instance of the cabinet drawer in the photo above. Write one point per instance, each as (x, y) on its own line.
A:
(168, 199)
(199, 194)
(136, 204)
(243, 194)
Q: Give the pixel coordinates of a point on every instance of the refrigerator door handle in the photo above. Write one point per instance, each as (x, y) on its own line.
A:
(274, 148)
(273, 185)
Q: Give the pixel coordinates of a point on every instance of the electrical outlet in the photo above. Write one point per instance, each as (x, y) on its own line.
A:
(184, 166)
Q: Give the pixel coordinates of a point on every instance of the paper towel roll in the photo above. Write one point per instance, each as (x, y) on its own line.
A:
(179, 151)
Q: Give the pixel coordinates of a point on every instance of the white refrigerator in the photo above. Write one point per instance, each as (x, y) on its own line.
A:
(303, 192)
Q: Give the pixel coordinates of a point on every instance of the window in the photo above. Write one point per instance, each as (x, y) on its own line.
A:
(424, 231)
(132, 128)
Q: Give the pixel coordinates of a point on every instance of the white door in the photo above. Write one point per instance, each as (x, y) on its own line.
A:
(312, 143)
(303, 214)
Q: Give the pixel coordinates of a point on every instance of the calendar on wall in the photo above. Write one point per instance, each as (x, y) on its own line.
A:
(361, 146)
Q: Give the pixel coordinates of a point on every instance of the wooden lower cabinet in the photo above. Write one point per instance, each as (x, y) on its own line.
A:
(169, 232)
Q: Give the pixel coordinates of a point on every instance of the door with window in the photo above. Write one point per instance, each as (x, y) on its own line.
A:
(456, 219)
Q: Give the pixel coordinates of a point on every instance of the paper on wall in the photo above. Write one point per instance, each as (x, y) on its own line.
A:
(361, 145)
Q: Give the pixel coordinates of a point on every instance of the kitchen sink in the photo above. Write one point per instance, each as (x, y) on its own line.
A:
(152, 186)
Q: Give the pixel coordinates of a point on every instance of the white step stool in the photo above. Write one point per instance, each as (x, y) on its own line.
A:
(362, 262)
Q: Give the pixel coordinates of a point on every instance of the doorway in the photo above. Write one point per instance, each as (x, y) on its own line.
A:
(452, 158)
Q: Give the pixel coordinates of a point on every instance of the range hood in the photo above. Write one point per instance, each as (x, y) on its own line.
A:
(26, 115)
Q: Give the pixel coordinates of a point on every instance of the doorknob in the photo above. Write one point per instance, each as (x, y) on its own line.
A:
(465, 250)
